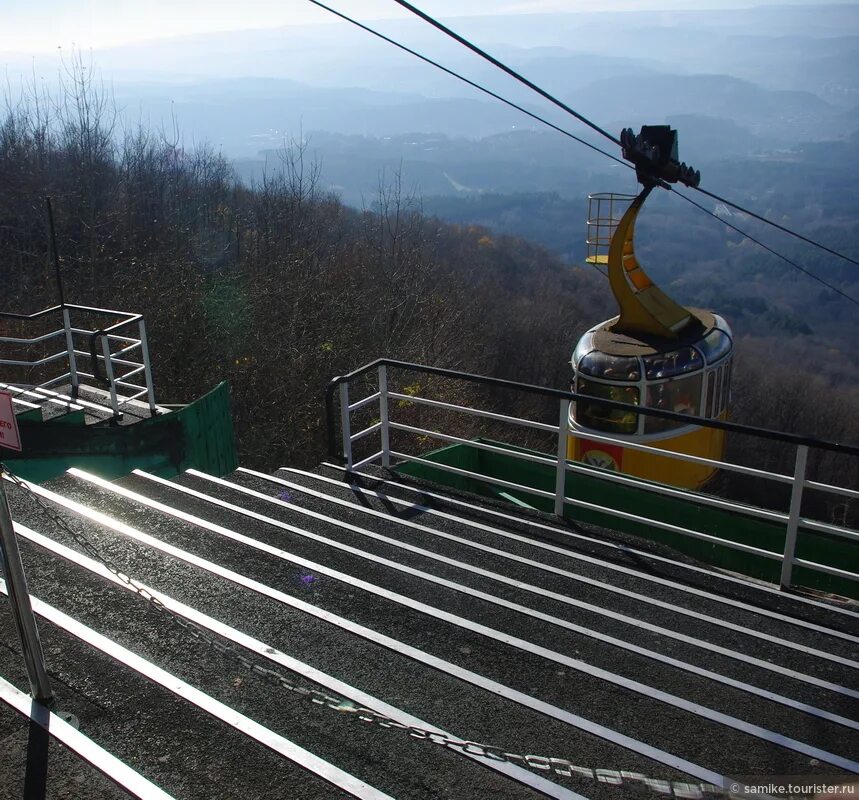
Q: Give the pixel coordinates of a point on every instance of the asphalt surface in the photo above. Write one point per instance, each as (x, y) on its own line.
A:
(603, 628)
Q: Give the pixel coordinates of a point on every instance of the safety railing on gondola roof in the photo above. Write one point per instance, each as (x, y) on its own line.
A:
(125, 372)
(797, 482)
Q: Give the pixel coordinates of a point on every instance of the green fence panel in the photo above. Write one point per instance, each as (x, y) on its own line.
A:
(686, 513)
(200, 435)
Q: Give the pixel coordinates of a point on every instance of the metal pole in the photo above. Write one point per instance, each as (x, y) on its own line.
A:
(56, 253)
(70, 349)
(108, 371)
(383, 416)
(19, 598)
(330, 427)
(561, 469)
(147, 368)
(344, 423)
(793, 516)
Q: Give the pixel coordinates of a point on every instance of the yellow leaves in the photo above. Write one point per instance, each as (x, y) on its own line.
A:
(412, 390)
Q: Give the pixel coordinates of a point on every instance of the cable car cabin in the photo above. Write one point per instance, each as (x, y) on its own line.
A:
(656, 352)
(687, 375)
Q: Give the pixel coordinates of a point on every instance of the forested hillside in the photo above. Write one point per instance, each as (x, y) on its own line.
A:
(279, 287)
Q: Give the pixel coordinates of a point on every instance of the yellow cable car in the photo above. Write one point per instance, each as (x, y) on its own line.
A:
(655, 353)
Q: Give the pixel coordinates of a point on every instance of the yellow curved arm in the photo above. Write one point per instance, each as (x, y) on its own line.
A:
(644, 307)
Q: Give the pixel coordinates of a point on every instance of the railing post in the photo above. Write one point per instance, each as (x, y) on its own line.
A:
(561, 469)
(345, 427)
(70, 349)
(147, 369)
(793, 515)
(22, 610)
(383, 416)
(108, 371)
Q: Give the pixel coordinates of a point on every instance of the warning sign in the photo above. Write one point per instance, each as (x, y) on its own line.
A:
(9, 436)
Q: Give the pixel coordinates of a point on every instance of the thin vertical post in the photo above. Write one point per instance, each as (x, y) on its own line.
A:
(22, 610)
(108, 371)
(70, 349)
(793, 515)
(561, 469)
(147, 367)
(383, 416)
(61, 296)
(345, 427)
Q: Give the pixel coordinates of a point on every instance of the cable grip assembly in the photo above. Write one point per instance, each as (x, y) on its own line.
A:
(654, 153)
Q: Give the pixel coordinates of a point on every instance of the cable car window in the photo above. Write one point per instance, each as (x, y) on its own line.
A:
(682, 395)
(614, 368)
(664, 365)
(717, 400)
(715, 345)
(600, 418)
(709, 408)
(726, 386)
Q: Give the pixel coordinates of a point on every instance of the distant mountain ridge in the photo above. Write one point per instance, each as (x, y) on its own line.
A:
(784, 74)
(245, 115)
(653, 97)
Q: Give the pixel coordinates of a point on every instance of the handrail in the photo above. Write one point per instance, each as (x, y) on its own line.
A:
(104, 362)
(131, 316)
(35, 315)
(93, 354)
(798, 481)
(485, 380)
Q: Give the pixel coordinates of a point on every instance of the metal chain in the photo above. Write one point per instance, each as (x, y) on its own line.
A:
(557, 766)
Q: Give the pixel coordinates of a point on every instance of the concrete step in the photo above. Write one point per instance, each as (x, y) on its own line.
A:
(131, 411)
(24, 407)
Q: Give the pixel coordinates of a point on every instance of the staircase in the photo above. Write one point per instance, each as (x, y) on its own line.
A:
(90, 407)
(81, 387)
(215, 637)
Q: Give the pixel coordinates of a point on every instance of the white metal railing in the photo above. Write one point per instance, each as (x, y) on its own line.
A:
(792, 521)
(117, 355)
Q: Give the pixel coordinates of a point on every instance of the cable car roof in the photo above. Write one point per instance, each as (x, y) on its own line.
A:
(640, 344)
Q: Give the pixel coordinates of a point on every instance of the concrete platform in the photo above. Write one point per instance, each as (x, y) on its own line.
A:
(436, 610)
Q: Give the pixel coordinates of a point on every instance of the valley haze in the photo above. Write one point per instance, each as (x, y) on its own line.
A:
(765, 97)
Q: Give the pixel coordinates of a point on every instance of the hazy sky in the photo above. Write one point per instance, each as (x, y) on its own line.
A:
(32, 26)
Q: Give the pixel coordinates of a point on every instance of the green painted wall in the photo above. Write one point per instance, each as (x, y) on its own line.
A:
(200, 435)
(734, 526)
